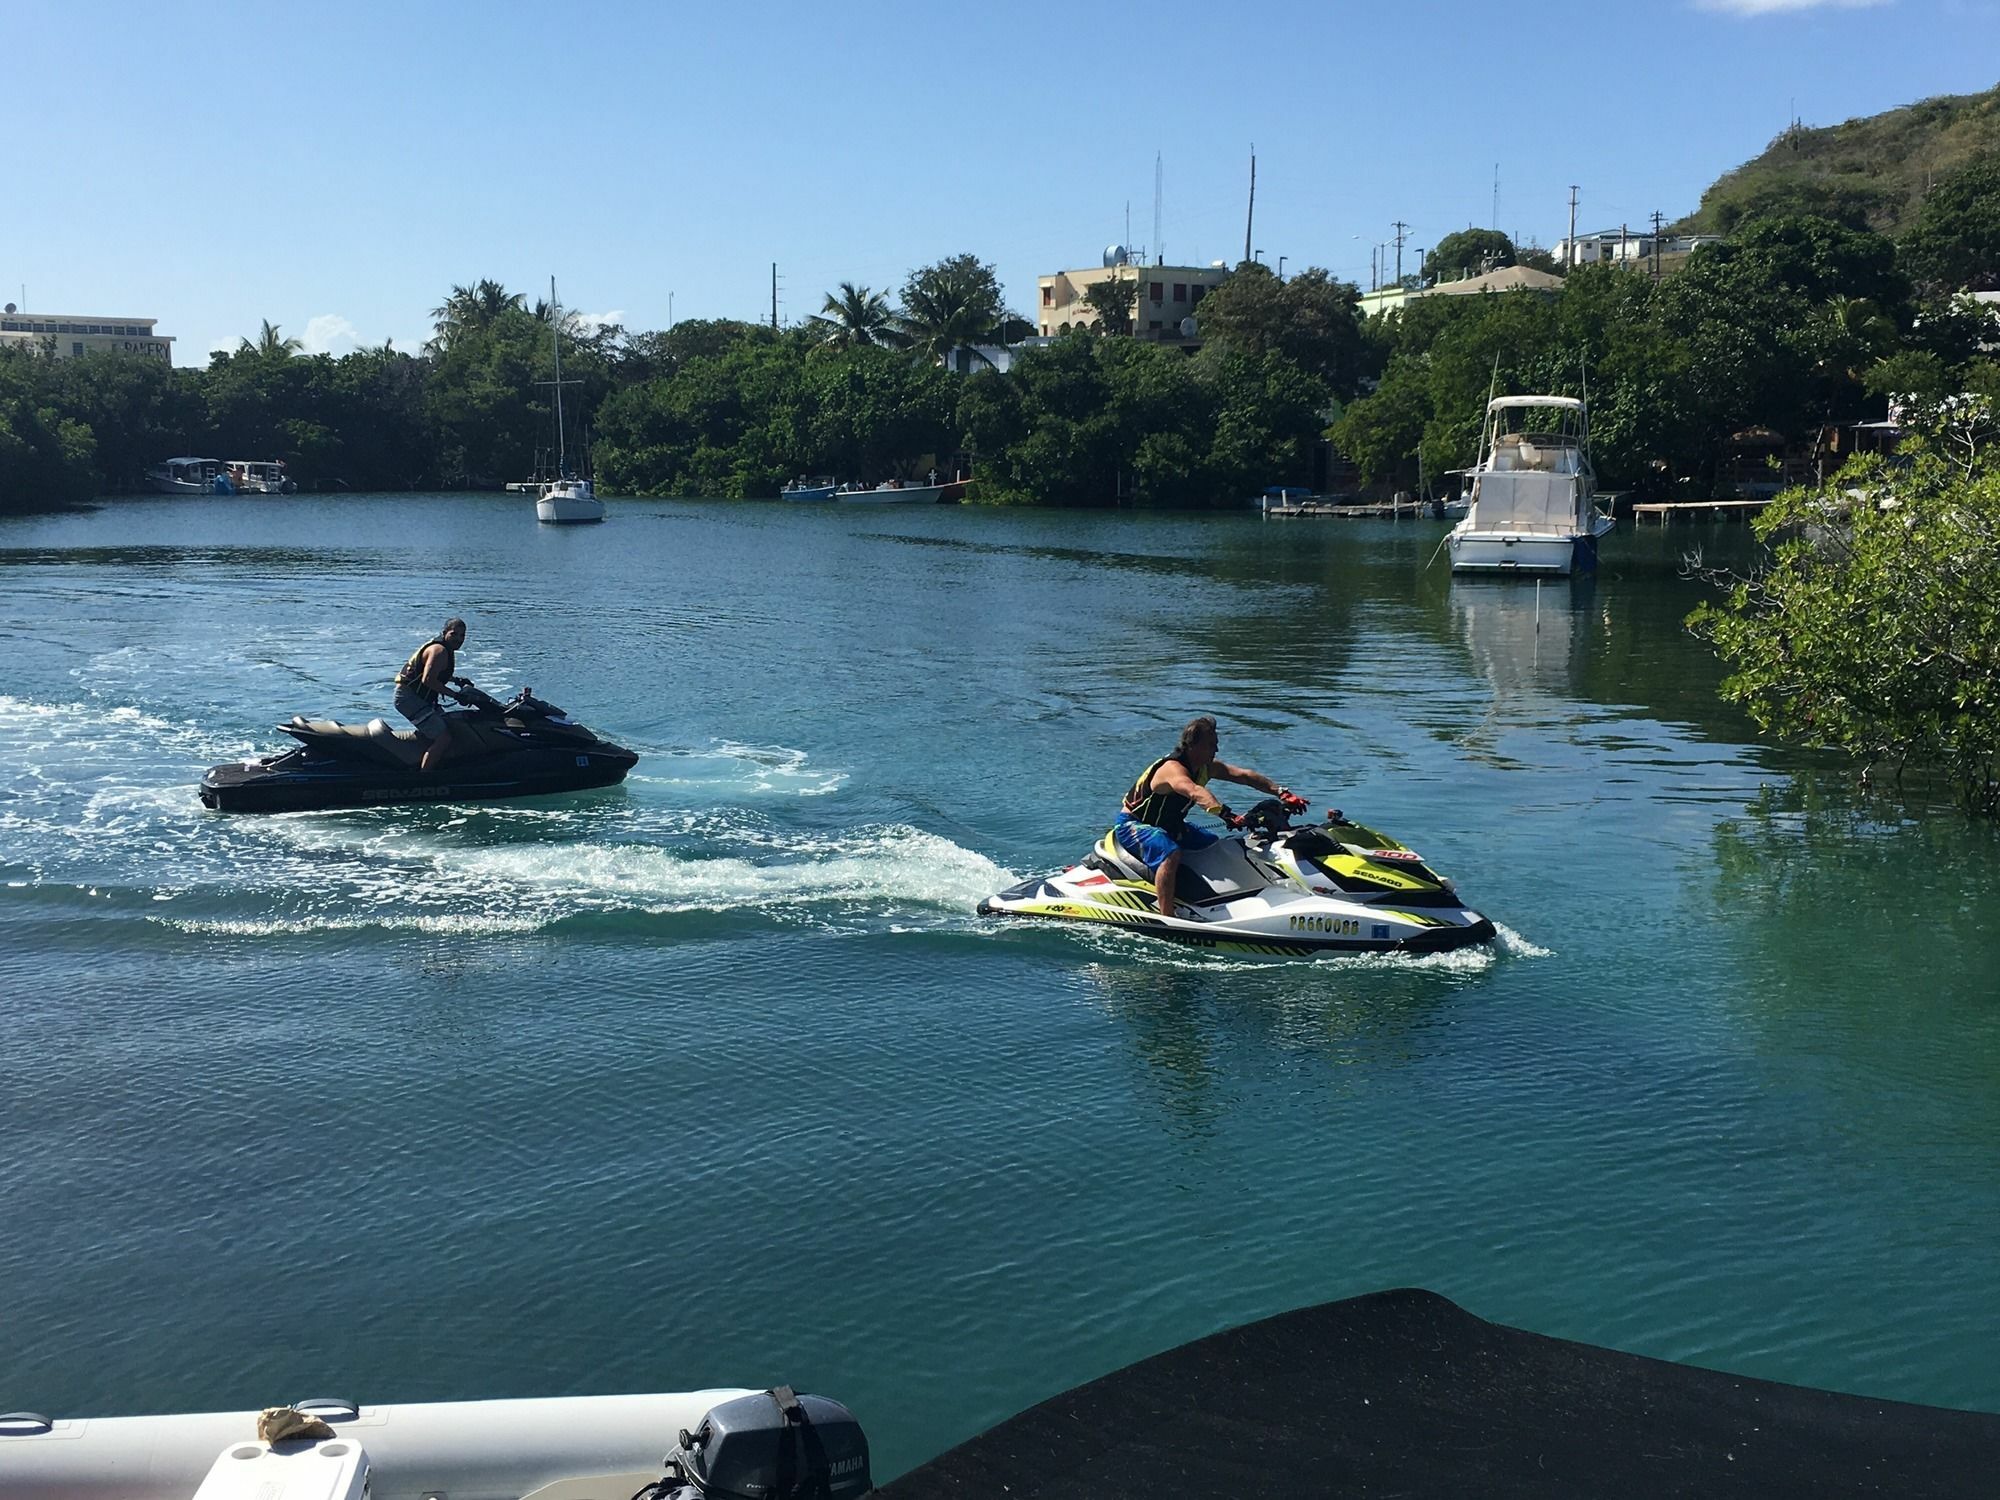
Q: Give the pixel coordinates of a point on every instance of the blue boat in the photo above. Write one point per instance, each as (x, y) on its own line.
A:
(820, 488)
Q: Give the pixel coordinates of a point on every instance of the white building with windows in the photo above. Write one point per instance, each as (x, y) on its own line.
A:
(1168, 297)
(1625, 247)
(71, 334)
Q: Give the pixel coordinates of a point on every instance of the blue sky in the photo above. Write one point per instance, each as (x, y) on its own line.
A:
(335, 168)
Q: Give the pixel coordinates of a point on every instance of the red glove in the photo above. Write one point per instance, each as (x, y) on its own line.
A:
(1294, 803)
(1229, 819)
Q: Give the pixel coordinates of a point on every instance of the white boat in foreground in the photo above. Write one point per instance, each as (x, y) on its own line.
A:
(1534, 494)
(568, 499)
(548, 1448)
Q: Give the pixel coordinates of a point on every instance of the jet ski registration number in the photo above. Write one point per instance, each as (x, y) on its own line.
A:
(1342, 926)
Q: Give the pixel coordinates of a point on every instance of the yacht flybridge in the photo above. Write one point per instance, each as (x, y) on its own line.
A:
(1534, 493)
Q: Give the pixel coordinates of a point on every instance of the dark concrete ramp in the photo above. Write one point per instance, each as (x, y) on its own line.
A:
(1404, 1393)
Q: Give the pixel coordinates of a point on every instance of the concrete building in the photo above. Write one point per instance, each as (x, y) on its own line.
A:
(71, 334)
(1624, 247)
(1168, 296)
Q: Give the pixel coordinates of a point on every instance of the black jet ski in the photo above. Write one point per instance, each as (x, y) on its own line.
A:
(525, 748)
(1268, 888)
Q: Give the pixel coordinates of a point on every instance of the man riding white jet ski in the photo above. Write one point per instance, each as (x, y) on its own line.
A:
(1266, 888)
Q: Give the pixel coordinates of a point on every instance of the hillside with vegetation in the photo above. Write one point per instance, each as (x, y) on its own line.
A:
(1868, 173)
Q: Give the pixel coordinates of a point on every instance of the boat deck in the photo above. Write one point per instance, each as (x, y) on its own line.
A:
(1405, 1393)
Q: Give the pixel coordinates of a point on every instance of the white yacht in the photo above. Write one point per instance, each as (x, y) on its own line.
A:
(1534, 494)
(568, 499)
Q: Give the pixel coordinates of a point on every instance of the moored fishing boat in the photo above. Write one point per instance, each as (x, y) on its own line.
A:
(189, 476)
(1533, 493)
(261, 476)
(895, 492)
(809, 490)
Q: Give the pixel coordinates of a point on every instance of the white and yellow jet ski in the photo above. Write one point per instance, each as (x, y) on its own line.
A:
(1269, 889)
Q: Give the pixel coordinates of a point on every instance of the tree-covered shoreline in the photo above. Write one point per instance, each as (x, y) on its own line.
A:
(1797, 326)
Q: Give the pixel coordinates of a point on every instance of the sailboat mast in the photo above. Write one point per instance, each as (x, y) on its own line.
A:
(555, 334)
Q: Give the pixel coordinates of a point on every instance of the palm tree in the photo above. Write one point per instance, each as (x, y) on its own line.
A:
(269, 344)
(477, 306)
(855, 316)
(948, 306)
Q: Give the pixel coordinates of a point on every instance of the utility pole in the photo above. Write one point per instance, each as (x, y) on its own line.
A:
(774, 296)
(1496, 196)
(1374, 277)
(1657, 216)
(1402, 233)
(1251, 218)
(670, 309)
(1569, 258)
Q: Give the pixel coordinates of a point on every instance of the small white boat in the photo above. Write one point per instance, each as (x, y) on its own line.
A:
(1533, 494)
(569, 502)
(809, 491)
(189, 476)
(573, 1447)
(894, 492)
(568, 499)
(260, 476)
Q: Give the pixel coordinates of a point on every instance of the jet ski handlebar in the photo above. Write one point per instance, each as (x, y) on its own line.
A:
(523, 702)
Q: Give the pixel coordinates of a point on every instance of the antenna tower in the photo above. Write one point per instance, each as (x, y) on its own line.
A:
(1250, 218)
(1159, 191)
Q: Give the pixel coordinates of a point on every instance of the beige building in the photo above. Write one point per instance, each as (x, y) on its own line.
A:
(1168, 296)
(71, 334)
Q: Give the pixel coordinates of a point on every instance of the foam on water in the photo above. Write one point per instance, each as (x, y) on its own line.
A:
(102, 794)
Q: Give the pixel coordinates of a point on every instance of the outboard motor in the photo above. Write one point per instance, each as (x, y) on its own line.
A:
(775, 1446)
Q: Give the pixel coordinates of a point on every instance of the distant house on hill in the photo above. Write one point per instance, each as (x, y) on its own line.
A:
(1622, 247)
(1506, 279)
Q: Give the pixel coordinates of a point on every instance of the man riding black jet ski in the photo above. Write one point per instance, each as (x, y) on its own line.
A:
(1265, 888)
(489, 749)
(524, 748)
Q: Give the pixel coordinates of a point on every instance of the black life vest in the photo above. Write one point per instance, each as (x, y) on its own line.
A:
(412, 675)
(1163, 808)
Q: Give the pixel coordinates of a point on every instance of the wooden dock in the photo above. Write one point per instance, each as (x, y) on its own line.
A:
(1309, 509)
(1669, 512)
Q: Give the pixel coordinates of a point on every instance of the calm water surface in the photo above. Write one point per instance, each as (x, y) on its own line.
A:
(715, 1079)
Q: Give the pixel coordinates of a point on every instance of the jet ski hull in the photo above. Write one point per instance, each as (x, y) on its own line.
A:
(1280, 894)
(309, 785)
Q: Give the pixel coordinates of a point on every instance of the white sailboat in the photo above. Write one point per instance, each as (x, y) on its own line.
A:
(568, 499)
(1534, 493)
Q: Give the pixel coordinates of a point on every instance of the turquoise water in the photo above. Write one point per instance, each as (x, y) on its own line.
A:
(715, 1078)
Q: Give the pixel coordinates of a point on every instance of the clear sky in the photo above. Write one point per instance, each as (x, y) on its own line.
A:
(337, 167)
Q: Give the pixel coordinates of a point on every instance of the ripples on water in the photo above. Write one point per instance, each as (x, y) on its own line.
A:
(1722, 1090)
